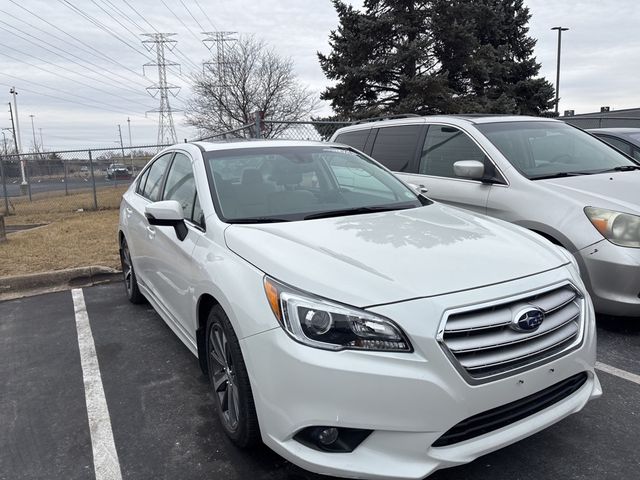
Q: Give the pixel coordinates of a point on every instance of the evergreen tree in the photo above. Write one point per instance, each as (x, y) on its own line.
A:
(434, 56)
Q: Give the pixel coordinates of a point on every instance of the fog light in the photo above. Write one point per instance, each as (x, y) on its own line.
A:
(332, 439)
(327, 436)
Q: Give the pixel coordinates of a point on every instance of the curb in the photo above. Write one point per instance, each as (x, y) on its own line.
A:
(20, 286)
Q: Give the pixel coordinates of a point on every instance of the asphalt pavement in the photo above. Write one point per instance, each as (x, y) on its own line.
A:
(162, 416)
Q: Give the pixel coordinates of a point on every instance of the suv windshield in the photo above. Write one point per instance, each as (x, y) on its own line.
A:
(272, 184)
(553, 149)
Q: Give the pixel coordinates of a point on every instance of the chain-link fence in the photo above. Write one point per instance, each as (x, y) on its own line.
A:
(69, 180)
(95, 178)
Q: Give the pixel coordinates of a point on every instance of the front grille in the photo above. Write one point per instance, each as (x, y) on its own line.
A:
(482, 343)
(512, 412)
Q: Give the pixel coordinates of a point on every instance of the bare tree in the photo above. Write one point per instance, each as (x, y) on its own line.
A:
(257, 79)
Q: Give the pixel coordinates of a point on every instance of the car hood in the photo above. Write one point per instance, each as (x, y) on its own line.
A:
(617, 190)
(379, 258)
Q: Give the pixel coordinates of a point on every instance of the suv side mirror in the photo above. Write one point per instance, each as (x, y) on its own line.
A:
(471, 169)
(167, 213)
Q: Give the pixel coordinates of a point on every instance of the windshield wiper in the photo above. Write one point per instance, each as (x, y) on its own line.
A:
(560, 175)
(355, 211)
(622, 168)
(258, 220)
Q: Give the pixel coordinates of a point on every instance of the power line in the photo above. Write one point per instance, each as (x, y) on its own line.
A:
(86, 47)
(57, 97)
(205, 15)
(144, 19)
(180, 20)
(192, 16)
(66, 57)
(100, 25)
(58, 90)
(60, 74)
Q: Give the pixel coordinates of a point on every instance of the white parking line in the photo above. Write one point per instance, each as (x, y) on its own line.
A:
(632, 377)
(105, 457)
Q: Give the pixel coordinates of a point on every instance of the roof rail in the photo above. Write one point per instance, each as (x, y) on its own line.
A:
(386, 117)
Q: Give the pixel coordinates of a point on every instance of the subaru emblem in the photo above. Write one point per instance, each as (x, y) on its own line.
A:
(527, 319)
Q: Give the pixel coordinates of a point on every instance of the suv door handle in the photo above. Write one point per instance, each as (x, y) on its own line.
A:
(151, 232)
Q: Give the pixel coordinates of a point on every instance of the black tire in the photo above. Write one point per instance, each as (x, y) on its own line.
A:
(230, 381)
(129, 275)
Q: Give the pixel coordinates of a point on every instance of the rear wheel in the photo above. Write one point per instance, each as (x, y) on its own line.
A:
(129, 274)
(230, 381)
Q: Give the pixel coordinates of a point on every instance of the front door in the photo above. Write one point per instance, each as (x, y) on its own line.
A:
(443, 146)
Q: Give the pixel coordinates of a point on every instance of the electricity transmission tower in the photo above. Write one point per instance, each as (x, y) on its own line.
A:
(159, 42)
(219, 40)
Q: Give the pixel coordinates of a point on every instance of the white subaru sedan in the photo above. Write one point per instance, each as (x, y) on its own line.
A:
(355, 327)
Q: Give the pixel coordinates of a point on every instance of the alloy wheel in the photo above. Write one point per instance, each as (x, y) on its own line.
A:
(223, 377)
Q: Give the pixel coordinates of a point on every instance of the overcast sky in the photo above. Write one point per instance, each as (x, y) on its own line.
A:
(79, 104)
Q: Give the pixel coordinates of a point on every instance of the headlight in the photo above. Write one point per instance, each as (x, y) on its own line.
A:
(324, 324)
(621, 229)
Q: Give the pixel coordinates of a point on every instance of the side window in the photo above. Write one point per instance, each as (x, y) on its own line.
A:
(619, 144)
(198, 214)
(141, 181)
(155, 176)
(356, 139)
(396, 147)
(443, 147)
(181, 185)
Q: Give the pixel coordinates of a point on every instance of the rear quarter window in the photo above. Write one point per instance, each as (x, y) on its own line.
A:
(357, 139)
(396, 147)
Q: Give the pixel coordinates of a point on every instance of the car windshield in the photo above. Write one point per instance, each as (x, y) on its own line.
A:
(553, 149)
(272, 184)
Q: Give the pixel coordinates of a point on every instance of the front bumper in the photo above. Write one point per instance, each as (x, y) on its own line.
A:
(409, 400)
(613, 277)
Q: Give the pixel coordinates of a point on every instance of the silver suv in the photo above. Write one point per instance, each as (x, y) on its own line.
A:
(539, 173)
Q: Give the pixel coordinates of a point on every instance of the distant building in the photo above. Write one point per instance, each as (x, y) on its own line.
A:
(605, 118)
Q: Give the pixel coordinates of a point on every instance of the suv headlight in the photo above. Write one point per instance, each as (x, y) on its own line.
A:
(619, 228)
(320, 323)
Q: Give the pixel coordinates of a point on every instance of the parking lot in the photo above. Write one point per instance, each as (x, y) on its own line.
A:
(162, 416)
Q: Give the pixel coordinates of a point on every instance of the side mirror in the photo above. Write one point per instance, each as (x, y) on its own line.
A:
(167, 213)
(471, 169)
(419, 189)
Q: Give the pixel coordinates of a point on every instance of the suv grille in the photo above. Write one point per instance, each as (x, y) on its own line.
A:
(512, 412)
(483, 343)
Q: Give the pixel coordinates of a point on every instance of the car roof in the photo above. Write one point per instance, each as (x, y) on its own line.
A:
(236, 145)
(619, 130)
(461, 119)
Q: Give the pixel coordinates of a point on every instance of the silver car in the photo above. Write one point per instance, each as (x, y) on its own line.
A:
(627, 140)
(539, 173)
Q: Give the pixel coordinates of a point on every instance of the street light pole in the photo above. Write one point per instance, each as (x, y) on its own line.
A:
(33, 130)
(560, 30)
(24, 186)
(130, 145)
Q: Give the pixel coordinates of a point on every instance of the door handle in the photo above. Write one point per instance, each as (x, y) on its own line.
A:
(128, 211)
(151, 232)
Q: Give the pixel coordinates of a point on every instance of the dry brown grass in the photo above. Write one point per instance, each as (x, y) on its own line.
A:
(70, 238)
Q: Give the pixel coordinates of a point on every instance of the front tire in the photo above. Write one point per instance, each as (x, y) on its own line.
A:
(129, 274)
(230, 381)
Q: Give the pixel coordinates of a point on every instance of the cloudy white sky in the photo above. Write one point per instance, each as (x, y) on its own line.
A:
(78, 97)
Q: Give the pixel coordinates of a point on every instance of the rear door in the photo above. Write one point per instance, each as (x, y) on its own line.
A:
(443, 146)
